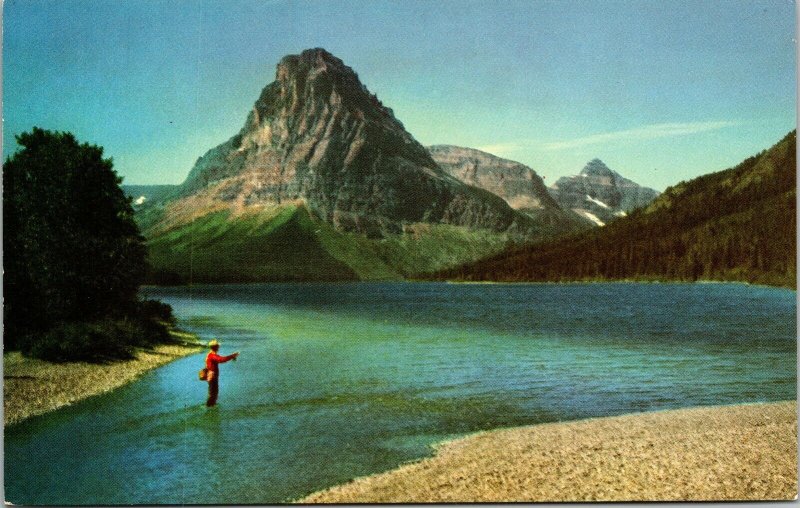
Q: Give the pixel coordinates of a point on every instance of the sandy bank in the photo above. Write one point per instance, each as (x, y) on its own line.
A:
(32, 387)
(715, 453)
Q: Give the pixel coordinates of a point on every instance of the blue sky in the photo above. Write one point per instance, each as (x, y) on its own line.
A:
(662, 91)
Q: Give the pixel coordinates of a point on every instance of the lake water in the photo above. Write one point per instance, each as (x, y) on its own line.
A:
(337, 381)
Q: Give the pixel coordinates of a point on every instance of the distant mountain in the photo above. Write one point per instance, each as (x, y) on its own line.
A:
(738, 224)
(321, 148)
(600, 194)
(516, 183)
(141, 194)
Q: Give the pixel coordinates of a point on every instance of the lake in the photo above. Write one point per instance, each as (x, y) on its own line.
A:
(337, 381)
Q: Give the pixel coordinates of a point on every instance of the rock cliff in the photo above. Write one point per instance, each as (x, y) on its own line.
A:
(316, 135)
(516, 183)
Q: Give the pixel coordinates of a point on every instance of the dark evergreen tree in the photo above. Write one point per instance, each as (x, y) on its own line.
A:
(72, 252)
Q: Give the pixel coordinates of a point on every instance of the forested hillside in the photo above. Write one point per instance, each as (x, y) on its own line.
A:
(738, 224)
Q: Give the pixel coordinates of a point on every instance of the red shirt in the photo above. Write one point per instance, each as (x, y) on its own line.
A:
(213, 360)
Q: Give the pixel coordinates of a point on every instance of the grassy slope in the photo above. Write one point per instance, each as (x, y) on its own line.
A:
(429, 247)
(737, 224)
(287, 244)
(272, 245)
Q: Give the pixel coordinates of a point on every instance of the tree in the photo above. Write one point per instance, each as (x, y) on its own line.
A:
(72, 250)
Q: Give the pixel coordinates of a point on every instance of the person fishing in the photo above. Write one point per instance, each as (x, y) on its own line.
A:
(212, 364)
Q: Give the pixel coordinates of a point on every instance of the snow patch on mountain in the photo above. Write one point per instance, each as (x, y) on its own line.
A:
(589, 215)
(597, 201)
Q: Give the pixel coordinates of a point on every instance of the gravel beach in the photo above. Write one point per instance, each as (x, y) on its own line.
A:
(32, 387)
(741, 452)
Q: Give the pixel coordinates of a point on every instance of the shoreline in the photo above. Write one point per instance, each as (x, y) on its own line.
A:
(33, 387)
(714, 453)
(413, 280)
(614, 281)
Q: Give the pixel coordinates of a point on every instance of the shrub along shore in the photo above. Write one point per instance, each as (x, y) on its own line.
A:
(723, 453)
(33, 387)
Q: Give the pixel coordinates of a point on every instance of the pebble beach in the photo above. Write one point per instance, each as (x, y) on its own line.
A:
(33, 387)
(724, 453)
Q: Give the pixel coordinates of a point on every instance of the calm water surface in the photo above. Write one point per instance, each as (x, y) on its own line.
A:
(342, 380)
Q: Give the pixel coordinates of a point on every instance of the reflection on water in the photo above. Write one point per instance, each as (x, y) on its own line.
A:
(336, 381)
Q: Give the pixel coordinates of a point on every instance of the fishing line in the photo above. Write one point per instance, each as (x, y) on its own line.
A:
(191, 301)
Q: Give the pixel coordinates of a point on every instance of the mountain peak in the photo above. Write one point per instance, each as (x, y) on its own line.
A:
(600, 193)
(596, 167)
(315, 55)
(317, 135)
(315, 76)
(316, 59)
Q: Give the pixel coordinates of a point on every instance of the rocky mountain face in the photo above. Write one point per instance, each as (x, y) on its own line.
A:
(316, 135)
(600, 194)
(516, 183)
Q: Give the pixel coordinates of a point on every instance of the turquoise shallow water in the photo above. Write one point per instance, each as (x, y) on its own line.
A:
(342, 380)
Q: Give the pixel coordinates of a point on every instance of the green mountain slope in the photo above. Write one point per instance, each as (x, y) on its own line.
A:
(264, 246)
(285, 243)
(738, 224)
